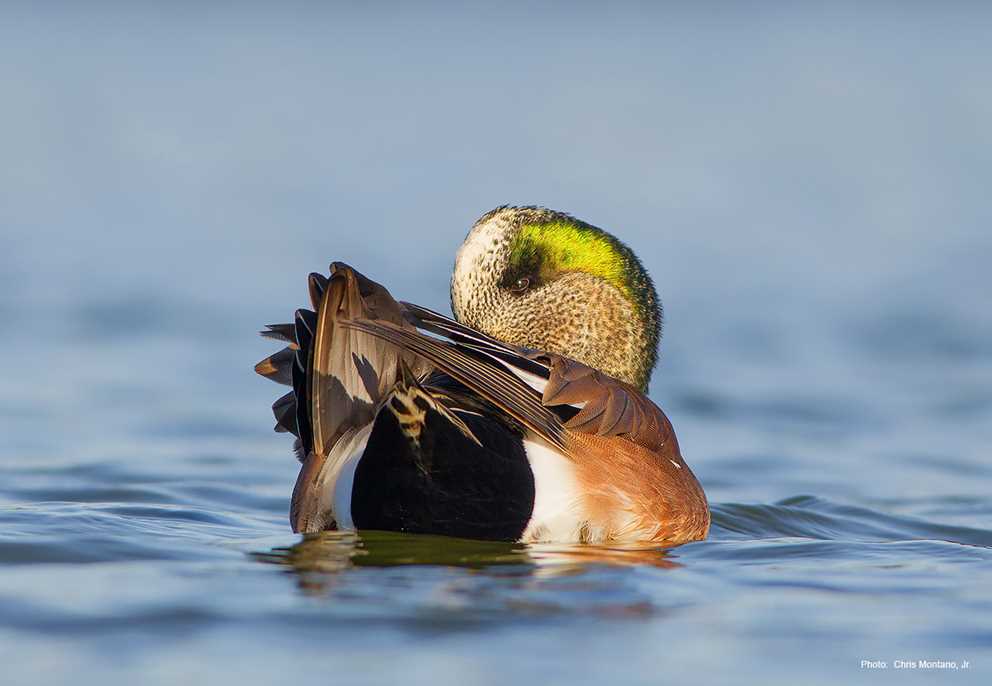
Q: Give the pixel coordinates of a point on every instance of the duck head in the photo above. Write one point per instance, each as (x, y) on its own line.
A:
(542, 279)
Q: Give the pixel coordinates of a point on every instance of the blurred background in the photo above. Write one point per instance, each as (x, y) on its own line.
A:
(807, 185)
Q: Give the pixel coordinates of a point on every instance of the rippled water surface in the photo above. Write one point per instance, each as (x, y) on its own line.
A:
(808, 189)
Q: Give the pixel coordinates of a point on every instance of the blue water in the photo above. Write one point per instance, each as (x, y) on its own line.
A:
(809, 189)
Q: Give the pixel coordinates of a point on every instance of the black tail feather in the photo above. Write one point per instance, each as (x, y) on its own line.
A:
(318, 284)
(284, 410)
(278, 367)
(280, 332)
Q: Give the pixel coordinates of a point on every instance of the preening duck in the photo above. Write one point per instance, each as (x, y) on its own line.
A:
(522, 418)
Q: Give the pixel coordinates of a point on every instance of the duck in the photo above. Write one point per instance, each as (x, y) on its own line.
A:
(522, 418)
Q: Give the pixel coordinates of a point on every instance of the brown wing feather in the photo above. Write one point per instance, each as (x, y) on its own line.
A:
(609, 406)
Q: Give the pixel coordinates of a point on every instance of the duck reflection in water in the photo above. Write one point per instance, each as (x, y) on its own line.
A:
(321, 561)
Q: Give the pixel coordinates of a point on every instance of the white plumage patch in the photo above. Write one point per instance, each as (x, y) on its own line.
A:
(342, 463)
(558, 514)
(472, 262)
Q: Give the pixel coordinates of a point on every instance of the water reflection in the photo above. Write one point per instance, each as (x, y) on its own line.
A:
(318, 559)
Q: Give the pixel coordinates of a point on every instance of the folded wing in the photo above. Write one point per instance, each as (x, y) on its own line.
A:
(589, 401)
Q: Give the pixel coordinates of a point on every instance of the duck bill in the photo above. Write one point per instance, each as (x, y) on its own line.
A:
(308, 511)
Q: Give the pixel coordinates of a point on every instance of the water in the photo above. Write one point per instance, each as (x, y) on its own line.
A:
(808, 188)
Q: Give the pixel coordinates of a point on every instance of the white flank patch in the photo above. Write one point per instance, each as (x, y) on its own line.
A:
(557, 512)
(338, 475)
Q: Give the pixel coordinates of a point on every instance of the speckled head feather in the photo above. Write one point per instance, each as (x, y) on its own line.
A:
(543, 279)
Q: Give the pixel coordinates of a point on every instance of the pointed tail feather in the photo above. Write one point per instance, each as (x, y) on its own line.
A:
(351, 370)
(339, 375)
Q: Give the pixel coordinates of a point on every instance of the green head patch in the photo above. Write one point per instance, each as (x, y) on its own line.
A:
(540, 251)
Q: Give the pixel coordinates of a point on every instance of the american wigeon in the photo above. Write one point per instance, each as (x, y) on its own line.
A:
(523, 418)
